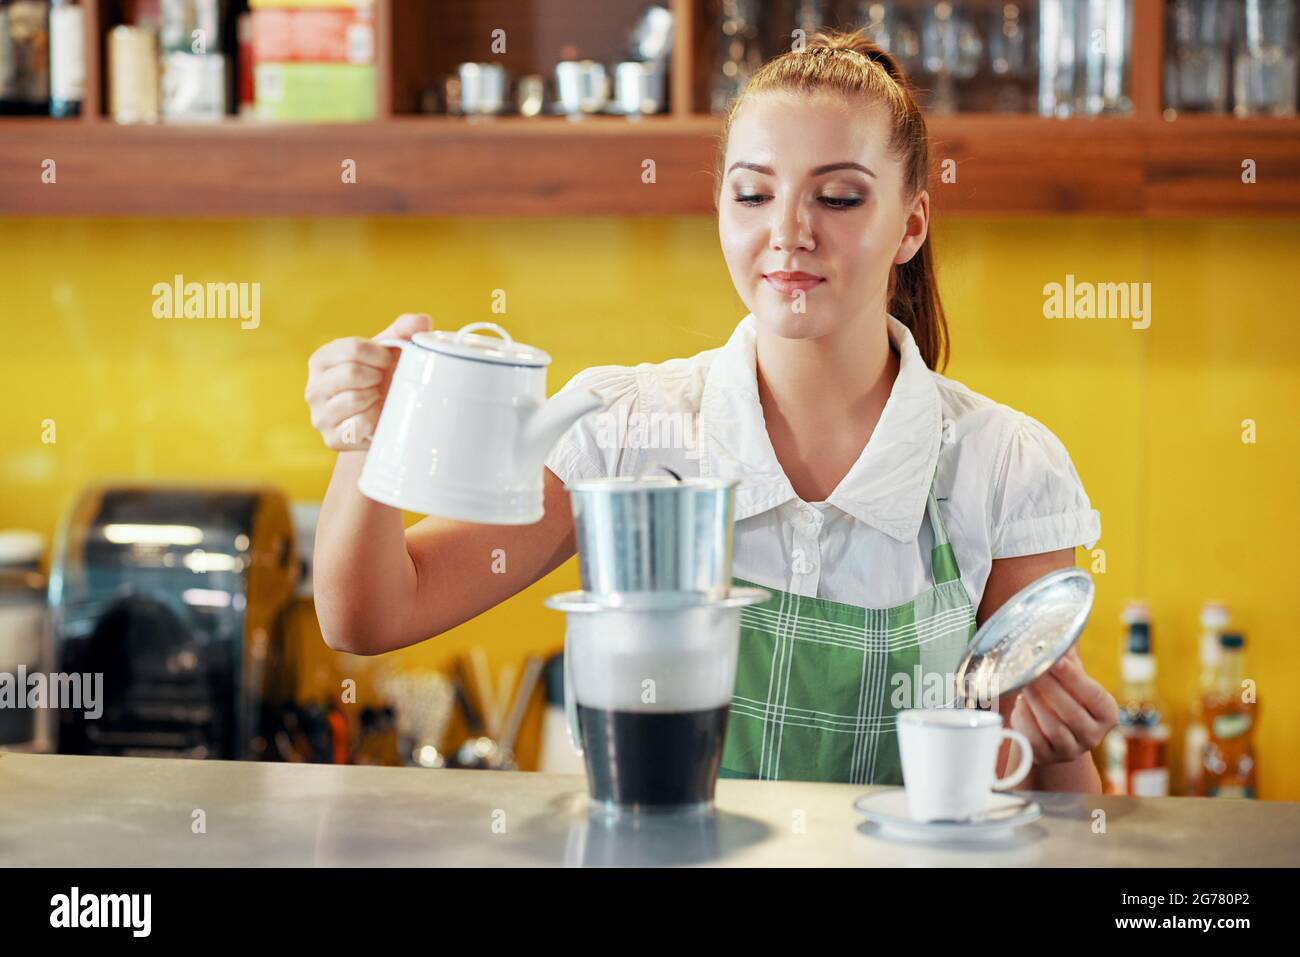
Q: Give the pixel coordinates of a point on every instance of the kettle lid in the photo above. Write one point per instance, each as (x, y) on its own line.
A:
(465, 344)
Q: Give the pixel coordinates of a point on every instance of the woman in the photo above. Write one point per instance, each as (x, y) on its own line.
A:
(888, 508)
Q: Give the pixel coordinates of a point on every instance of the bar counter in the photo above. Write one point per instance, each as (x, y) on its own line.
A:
(63, 810)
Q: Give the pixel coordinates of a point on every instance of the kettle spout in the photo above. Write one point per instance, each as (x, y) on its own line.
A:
(548, 422)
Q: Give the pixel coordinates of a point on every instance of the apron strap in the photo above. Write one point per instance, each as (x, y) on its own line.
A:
(943, 562)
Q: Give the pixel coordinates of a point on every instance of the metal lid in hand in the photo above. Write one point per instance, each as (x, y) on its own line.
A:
(1026, 636)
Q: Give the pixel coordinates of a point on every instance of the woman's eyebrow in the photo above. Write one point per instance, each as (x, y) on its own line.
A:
(818, 171)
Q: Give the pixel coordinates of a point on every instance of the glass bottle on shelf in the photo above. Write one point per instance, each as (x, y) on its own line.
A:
(1231, 713)
(1136, 749)
(1214, 621)
(24, 57)
(67, 58)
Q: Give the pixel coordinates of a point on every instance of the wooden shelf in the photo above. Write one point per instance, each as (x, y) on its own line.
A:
(1006, 166)
(409, 164)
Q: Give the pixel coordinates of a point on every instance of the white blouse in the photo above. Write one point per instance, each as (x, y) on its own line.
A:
(1005, 484)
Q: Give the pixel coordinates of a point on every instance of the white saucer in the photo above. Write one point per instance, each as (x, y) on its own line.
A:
(888, 810)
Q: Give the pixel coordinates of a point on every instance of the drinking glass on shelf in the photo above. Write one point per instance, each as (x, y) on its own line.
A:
(740, 55)
(1264, 69)
(1009, 56)
(1106, 40)
(1059, 26)
(951, 48)
(888, 26)
(809, 16)
(1196, 66)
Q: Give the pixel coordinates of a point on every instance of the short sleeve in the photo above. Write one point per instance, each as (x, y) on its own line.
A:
(590, 448)
(1039, 504)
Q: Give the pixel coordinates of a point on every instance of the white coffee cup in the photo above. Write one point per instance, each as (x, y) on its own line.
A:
(949, 759)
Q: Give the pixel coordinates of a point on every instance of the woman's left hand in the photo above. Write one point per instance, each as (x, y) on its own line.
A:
(1065, 713)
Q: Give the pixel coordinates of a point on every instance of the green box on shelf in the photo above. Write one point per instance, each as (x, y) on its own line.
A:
(323, 92)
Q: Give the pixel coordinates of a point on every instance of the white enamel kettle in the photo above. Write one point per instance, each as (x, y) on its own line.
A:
(466, 427)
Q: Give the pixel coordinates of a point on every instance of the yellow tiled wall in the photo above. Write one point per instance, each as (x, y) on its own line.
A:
(1153, 418)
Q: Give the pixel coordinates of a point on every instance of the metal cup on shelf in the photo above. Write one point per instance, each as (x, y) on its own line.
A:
(638, 88)
(482, 88)
(582, 86)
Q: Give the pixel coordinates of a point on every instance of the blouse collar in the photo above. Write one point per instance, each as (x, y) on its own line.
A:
(887, 486)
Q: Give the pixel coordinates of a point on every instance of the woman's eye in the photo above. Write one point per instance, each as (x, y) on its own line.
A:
(831, 202)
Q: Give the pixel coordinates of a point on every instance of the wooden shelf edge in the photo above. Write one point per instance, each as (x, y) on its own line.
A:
(1007, 166)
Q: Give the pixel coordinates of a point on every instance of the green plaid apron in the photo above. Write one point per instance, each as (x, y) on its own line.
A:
(818, 682)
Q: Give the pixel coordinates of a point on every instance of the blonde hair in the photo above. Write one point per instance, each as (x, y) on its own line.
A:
(853, 66)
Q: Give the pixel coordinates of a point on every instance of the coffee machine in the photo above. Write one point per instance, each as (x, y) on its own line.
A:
(180, 597)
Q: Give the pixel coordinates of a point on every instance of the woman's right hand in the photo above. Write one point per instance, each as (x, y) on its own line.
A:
(347, 382)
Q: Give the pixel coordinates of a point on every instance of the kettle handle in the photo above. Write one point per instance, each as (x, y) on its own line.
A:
(465, 330)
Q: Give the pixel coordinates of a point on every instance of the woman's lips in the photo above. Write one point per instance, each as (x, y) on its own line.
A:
(791, 282)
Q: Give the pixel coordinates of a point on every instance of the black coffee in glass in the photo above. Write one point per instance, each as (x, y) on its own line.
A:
(652, 759)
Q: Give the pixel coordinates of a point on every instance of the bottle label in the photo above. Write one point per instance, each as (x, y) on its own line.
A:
(1229, 726)
(1115, 751)
(1232, 791)
(1193, 753)
(1151, 782)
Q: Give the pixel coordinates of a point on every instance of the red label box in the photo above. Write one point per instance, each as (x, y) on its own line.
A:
(314, 36)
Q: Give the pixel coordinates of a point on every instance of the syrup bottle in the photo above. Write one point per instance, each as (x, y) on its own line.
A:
(1137, 747)
(1230, 715)
(1214, 621)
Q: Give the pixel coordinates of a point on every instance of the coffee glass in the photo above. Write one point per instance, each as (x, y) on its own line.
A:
(949, 758)
(647, 691)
